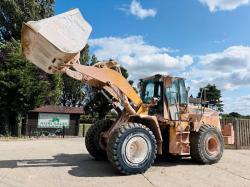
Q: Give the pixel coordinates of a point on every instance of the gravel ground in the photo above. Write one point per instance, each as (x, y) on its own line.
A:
(65, 162)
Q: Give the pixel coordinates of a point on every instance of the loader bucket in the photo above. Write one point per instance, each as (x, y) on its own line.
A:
(50, 42)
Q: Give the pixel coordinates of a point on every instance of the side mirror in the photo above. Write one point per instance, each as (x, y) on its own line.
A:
(188, 89)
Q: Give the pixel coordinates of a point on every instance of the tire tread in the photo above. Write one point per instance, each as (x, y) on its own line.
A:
(196, 144)
(113, 145)
(91, 139)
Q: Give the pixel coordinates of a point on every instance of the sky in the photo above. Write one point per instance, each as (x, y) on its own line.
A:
(204, 41)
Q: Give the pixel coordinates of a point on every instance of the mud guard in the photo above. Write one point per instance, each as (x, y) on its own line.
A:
(152, 123)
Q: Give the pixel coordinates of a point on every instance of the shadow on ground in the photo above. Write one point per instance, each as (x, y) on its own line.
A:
(173, 161)
(82, 165)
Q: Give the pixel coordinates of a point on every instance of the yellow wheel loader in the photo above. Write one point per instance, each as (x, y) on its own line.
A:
(157, 121)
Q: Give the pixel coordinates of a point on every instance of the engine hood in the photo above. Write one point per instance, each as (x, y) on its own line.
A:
(205, 116)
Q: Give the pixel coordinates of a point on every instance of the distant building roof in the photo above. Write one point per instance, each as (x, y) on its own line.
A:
(58, 109)
(194, 100)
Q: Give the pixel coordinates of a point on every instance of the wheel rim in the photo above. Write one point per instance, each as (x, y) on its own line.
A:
(136, 150)
(212, 145)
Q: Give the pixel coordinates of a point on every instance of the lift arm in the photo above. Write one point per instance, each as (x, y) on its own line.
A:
(102, 76)
(54, 44)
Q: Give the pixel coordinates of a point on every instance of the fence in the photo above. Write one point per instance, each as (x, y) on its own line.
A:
(241, 132)
(36, 132)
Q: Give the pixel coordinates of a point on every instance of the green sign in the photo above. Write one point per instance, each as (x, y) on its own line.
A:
(48, 120)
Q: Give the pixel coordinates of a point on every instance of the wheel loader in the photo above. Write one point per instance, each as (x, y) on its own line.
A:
(156, 121)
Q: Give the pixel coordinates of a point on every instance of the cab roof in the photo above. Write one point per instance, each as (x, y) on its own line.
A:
(159, 77)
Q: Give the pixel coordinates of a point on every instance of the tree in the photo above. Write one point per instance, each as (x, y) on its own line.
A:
(131, 82)
(93, 59)
(14, 12)
(72, 94)
(84, 55)
(124, 72)
(235, 115)
(22, 87)
(95, 103)
(212, 95)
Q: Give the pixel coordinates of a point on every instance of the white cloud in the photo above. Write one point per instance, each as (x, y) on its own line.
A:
(237, 104)
(216, 5)
(136, 9)
(228, 69)
(140, 58)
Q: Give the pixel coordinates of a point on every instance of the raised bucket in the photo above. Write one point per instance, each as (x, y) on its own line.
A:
(55, 40)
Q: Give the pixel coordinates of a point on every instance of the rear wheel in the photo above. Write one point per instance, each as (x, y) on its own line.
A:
(93, 136)
(132, 148)
(206, 145)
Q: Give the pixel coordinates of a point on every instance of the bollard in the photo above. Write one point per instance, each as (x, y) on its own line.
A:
(63, 131)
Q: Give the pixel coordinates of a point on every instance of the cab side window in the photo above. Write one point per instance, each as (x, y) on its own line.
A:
(183, 92)
(172, 93)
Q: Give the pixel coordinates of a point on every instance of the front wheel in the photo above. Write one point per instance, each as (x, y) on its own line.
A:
(132, 148)
(92, 140)
(207, 145)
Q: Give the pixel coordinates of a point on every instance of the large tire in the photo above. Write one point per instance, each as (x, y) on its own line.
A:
(93, 138)
(132, 148)
(207, 145)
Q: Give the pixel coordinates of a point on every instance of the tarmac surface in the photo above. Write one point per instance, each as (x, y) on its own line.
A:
(66, 162)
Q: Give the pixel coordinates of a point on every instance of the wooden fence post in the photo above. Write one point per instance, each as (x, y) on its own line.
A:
(237, 133)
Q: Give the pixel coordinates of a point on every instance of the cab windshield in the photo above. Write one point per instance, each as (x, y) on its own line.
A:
(150, 89)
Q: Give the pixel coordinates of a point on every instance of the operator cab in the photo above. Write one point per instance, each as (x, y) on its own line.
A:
(166, 90)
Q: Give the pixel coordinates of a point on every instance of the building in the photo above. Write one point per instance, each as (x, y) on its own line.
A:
(53, 120)
(195, 101)
(199, 102)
